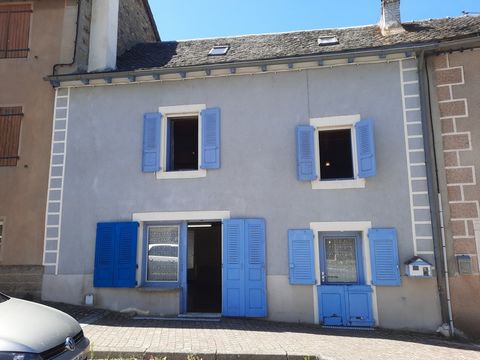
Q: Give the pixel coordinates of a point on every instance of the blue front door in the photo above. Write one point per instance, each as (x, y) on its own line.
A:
(244, 279)
(343, 297)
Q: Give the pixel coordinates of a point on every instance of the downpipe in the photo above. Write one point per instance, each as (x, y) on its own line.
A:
(445, 266)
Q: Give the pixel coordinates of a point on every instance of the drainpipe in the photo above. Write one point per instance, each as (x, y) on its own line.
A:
(438, 228)
(445, 264)
(54, 69)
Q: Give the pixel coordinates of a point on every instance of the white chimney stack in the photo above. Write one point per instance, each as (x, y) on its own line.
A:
(390, 22)
(102, 53)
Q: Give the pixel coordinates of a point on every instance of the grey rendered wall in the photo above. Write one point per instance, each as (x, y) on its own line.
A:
(103, 178)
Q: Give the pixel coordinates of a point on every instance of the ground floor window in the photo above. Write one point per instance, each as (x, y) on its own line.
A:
(163, 253)
(341, 258)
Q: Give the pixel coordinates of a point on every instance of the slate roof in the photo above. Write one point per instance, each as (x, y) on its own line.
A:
(174, 54)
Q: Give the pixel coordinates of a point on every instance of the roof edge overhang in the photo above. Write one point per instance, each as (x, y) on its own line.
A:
(425, 48)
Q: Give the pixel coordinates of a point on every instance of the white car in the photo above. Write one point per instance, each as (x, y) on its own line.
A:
(31, 331)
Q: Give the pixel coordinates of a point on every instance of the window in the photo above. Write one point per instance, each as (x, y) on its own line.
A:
(10, 121)
(219, 50)
(14, 30)
(163, 253)
(341, 258)
(181, 141)
(339, 158)
(336, 161)
(182, 150)
(327, 40)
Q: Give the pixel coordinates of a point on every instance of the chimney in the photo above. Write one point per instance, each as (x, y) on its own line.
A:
(390, 22)
(102, 54)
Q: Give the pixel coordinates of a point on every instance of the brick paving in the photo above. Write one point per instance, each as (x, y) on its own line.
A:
(116, 335)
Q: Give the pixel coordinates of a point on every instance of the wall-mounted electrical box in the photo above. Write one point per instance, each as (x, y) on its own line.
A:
(418, 267)
(464, 264)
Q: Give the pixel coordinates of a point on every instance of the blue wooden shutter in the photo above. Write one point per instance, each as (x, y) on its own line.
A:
(367, 165)
(306, 169)
(233, 287)
(104, 255)
(126, 254)
(300, 257)
(384, 256)
(255, 284)
(116, 255)
(151, 142)
(210, 138)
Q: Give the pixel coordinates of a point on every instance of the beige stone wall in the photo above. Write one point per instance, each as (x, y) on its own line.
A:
(456, 116)
(23, 187)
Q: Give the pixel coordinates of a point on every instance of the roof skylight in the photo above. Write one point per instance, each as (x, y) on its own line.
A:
(219, 50)
(327, 40)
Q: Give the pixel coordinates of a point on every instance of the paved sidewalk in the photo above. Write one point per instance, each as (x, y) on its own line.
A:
(115, 335)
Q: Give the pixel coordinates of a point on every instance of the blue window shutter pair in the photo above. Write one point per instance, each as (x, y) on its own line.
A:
(301, 257)
(210, 143)
(244, 279)
(365, 141)
(384, 256)
(116, 255)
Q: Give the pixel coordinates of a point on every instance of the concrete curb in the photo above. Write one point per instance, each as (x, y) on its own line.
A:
(149, 355)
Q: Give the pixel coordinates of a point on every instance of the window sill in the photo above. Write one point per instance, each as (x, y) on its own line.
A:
(181, 174)
(339, 184)
(144, 288)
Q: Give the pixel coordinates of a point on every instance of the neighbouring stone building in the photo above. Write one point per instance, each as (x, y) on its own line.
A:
(38, 38)
(455, 103)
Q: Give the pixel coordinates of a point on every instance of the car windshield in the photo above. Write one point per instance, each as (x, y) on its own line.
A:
(3, 298)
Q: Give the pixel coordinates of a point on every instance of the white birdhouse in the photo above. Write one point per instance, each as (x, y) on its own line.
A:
(418, 267)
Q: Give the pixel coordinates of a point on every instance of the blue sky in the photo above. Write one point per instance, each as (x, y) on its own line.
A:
(191, 19)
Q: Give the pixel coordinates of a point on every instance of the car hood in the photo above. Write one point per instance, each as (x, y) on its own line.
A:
(29, 327)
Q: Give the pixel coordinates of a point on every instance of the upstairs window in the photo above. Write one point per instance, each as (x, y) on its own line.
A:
(10, 122)
(14, 30)
(336, 152)
(336, 159)
(182, 152)
(181, 141)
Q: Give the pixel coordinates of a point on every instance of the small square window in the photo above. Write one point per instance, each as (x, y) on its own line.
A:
(182, 151)
(336, 160)
(219, 50)
(415, 267)
(327, 40)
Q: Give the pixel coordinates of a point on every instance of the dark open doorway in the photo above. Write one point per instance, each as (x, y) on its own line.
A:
(204, 267)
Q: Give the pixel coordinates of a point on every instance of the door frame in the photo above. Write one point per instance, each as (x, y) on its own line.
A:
(176, 216)
(343, 226)
(184, 290)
